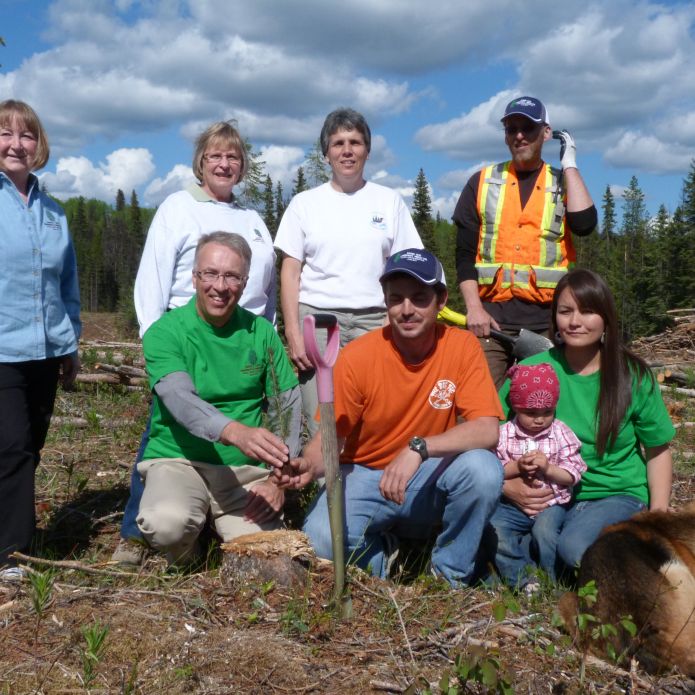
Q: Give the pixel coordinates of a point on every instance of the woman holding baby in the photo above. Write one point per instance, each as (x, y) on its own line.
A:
(610, 400)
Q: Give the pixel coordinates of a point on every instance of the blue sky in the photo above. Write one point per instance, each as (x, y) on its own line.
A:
(123, 87)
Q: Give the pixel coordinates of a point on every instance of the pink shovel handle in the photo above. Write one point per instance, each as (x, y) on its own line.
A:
(323, 363)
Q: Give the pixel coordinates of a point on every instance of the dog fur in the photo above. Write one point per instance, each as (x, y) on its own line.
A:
(644, 568)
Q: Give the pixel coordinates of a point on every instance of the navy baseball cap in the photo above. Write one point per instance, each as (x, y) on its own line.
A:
(527, 106)
(419, 263)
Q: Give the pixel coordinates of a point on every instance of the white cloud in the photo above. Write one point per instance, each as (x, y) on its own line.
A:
(456, 179)
(126, 169)
(110, 71)
(281, 163)
(603, 72)
(617, 190)
(473, 135)
(176, 179)
(636, 150)
(444, 205)
(406, 36)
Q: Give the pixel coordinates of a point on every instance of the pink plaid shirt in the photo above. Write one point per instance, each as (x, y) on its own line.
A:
(557, 442)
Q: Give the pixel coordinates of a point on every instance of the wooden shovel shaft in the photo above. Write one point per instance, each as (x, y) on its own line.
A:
(334, 492)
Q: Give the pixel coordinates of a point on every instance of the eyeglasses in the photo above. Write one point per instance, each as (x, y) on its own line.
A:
(526, 128)
(217, 157)
(210, 277)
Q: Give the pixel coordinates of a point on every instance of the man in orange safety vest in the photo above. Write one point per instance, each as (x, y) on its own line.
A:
(513, 232)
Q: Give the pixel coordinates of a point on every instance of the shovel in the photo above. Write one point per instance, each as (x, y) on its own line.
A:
(323, 364)
(526, 344)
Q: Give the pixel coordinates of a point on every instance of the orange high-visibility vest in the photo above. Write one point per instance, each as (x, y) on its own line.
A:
(521, 253)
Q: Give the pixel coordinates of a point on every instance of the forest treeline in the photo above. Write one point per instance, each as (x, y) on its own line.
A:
(648, 258)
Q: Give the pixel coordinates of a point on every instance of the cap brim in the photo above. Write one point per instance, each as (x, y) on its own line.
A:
(520, 113)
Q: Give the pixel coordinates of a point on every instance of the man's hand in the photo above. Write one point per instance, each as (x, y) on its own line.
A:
(533, 462)
(479, 322)
(297, 352)
(69, 367)
(568, 150)
(256, 442)
(528, 495)
(296, 474)
(264, 502)
(397, 475)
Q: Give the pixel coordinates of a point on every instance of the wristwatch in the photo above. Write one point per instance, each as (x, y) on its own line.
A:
(418, 444)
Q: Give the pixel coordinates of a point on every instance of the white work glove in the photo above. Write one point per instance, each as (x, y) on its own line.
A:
(568, 150)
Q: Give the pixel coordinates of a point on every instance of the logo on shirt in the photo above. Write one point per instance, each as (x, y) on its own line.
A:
(50, 220)
(252, 365)
(377, 221)
(442, 395)
(257, 236)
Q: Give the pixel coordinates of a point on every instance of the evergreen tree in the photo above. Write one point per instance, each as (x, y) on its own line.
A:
(445, 240)
(633, 282)
(686, 243)
(317, 170)
(280, 203)
(120, 201)
(300, 183)
(269, 207)
(604, 264)
(422, 212)
(252, 186)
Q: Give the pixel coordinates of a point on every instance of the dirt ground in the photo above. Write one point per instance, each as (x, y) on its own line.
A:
(191, 633)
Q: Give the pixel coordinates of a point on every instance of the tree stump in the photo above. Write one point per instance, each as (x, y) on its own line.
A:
(283, 557)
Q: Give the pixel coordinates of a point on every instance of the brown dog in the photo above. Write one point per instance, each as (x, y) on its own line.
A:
(644, 568)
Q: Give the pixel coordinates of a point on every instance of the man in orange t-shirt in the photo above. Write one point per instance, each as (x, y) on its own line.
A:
(416, 414)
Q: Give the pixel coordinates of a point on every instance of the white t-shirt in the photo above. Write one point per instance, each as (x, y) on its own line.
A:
(343, 240)
(164, 277)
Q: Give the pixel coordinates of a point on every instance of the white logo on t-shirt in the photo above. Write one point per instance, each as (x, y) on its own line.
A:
(442, 395)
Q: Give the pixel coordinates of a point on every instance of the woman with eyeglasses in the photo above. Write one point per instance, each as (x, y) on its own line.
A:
(164, 279)
(39, 321)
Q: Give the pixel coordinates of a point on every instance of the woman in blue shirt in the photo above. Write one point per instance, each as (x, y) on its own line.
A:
(39, 320)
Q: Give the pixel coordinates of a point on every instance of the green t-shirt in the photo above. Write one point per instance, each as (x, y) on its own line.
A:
(622, 469)
(230, 369)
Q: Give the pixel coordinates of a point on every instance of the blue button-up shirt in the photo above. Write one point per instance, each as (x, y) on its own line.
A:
(39, 293)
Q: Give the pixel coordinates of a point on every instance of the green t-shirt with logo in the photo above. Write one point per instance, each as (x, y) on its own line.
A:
(622, 469)
(230, 369)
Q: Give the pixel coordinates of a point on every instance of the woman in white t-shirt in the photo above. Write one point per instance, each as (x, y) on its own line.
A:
(335, 240)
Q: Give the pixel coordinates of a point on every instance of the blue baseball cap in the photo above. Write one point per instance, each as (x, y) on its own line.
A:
(530, 107)
(418, 263)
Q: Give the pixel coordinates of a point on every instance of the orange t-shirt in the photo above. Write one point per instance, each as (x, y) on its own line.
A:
(381, 401)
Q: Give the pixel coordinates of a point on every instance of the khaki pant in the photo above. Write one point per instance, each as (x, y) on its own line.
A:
(180, 495)
(352, 323)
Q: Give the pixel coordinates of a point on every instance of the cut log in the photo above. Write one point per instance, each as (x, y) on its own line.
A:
(81, 422)
(121, 370)
(110, 379)
(684, 392)
(282, 557)
(136, 360)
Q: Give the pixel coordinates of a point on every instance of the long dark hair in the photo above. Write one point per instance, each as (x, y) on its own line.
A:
(618, 364)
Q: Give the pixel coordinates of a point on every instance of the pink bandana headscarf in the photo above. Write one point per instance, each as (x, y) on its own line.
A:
(533, 386)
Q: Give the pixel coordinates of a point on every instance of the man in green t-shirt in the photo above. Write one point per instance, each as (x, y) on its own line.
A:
(213, 367)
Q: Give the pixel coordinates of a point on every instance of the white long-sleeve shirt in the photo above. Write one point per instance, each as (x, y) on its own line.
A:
(164, 279)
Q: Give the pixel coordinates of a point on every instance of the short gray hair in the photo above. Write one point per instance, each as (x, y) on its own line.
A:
(344, 119)
(232, 241)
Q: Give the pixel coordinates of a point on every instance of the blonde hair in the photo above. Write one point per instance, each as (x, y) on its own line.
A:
(226, 136)
(11, 112)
